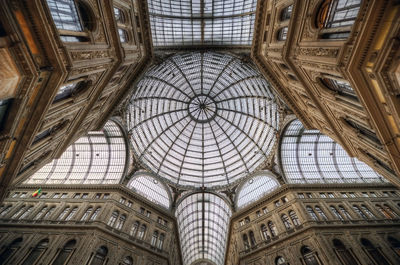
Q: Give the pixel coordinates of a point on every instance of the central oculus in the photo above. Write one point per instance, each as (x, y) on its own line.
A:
(202, 108)
(202, 120)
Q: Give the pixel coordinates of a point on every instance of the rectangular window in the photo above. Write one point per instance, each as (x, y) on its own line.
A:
(330, 195)
(148, 213)
(77, 195)
(98, 196)
(393, 193)
(23, 195)
(15, 195)
(322, 195)
(385, 193)
(122, 200)
(106, 196)
(365, 194)
(277, 203)
(309, 195)
(258, 213)
(301, 195)
(129, 204)
(85, 195)
(372, 194)
(64, 195)
(344, 195)
(352, 194)
(265, 210)
(247, 220)
(142, 210)
(284, 200)
(43, 195)
(56, 195)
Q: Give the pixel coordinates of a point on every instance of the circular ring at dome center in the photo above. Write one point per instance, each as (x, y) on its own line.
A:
(202, 108)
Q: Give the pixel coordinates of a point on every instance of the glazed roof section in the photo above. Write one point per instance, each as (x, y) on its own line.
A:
(308, 156)
(100, 157)
(177, 23)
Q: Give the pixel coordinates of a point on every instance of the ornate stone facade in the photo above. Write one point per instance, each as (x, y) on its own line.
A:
(319, 218)
(60, 215)
(41, 58)
(362, 54)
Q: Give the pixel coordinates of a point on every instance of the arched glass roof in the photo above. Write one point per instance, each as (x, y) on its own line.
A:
(99, 157)
(255, 188)
(208, 22)
(203, 220)
(150, 188)
(308, 156)
(202, 119)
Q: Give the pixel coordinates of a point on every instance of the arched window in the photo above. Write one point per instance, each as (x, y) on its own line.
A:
(18, 213)
(282, 33)
(246, 242)
(321, 213)
(123, 35)
(36, 252)
(40, 213)
(337, 13)
(26, 213)
(286, 222)
(71, 18)
(309, 257)
(127, 261)
(383, 212)
(134, 228)
(142, 231)
(286, 13)
(373, 252)
(264, 232)
(5, 210)
(63, 213)
(12, 248)
(344, 212)
(85, 216)
(367, 211)
(71, 213)
(100, 256)
(359, 212)
(311, 213)
(395, 244)
(294, 218)
(341, 87)
(154, 238)
(280, 261)
(345, 255)
(121, 221)
(252, 239)
(335, 212)
(47, 215)
(390, 211)
(68, 90)
(161, 241)
(119, 15)
(272, 229)
(65, 253)
(95, 214)
(113, 218)
(363, 130)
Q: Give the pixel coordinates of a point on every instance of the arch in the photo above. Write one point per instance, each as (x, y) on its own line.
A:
(88, 211)
(286, 12)
(308, 156)
(36, 253)
(151, 188)
(373, 253)
(100, 157)
(11, 249)
(253, 241)
(264, 232)
(294, 218)
(113, 218)
(394, 244)
(65, 253)
(246, 241)
(99, 256)
(337, 13)
(346, 256)
(280, 261)
(310, 257)
(286, 222)
(142, 232)
(255, 188)
(281, 34)
(272, 229)
(127, 261)
(213, 211)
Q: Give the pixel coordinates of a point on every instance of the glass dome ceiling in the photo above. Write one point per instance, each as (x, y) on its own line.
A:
(202, 120)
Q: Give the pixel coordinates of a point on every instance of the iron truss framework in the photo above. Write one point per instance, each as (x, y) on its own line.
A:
(202, 120)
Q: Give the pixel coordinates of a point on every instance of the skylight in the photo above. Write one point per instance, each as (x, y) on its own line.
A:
(208, 22)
